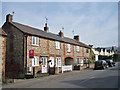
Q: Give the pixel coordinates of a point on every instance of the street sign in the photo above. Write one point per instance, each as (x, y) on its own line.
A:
(31, 53)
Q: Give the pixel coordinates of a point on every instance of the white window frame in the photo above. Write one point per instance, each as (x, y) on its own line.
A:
(35, 61)
(81, 62)
(68, 47)
(58, 62)
(36, 41)
(57, 45)
(77, 47)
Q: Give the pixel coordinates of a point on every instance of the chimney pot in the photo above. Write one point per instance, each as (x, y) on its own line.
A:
(76, 37)
(46, 28)
(61, 34)
(9, 18)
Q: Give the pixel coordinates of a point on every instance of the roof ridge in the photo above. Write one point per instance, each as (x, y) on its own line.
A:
(35, 31)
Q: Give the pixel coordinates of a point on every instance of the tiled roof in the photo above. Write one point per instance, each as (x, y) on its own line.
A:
(33, 31)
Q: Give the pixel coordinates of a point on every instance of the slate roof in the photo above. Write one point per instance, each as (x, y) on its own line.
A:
(41, 33)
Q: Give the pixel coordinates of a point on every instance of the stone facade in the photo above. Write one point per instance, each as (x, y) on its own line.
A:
(14, 50)
(48, 47)
(2, 55)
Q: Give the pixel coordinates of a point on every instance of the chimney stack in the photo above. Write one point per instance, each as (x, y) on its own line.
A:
(61, 34)
(76, 37)
(9, 18)
(46, 28)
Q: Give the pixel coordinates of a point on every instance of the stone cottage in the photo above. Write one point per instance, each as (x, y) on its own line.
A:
(3, 37)
(30, 49)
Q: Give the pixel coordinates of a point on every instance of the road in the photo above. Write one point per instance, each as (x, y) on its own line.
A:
(88, 78)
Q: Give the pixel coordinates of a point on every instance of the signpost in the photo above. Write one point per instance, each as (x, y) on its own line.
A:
(31, 53)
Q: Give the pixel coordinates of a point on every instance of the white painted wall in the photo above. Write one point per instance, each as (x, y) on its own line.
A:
(96, 54)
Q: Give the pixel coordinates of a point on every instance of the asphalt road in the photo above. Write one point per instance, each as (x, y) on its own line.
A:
(88, 78)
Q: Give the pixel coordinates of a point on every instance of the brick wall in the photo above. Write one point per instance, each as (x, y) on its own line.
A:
(2, 57)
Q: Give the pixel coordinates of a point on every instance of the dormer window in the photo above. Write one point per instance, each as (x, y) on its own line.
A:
(35, 41)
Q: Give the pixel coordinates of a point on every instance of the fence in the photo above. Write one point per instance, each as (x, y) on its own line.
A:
(66, 68)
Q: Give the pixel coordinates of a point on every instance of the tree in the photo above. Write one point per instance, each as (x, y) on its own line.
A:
(92, 57)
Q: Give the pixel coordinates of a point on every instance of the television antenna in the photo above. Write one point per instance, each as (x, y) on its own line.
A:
(13, 13)
(46, 19)
(73, 32)
(62, 28)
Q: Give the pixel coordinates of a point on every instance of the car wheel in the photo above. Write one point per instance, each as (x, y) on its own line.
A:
(111, 65)
(103, 67)
(107, 66)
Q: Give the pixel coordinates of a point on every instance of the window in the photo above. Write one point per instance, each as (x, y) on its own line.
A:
(77, 48)
(84, 60)
(35, 41)
(57, 45)
(68, 47)
(35, 61)
(87, 60)
(86, 50)
(44, 61)
(78, 60)
(81, 63)
(58, 61)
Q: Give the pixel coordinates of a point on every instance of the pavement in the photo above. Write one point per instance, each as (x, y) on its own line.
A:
(87, 78)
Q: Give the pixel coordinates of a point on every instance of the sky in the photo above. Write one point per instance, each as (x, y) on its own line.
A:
(96, 23)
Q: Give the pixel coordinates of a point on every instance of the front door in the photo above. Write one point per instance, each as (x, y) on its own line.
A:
(44, 64)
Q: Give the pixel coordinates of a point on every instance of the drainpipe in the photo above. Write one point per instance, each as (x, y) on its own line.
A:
(26, 55)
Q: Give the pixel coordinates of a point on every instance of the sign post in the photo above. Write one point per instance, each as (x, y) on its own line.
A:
(31, 53)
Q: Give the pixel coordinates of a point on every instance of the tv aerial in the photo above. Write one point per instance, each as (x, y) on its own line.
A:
(46, 19)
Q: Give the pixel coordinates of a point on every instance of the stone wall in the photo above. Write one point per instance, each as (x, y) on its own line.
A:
(14, 49)
(48, 47)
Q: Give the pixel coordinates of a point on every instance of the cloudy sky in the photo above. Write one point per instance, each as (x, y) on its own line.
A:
(95, 23)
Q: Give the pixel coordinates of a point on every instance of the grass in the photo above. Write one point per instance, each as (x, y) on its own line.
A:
(4, 83)
(46, 75)
(42, 76)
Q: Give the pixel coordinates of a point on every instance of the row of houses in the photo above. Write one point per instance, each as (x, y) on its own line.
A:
(102, 51)
(31, 50)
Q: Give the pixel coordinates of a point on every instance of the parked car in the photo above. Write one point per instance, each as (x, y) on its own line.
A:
(110, 62)
(100, 64)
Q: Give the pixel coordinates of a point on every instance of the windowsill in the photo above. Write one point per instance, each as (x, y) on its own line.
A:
(68, 52)
(35, 45)
(57, 49)
(77, 51)
(35, 66)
